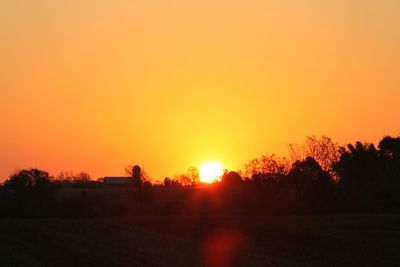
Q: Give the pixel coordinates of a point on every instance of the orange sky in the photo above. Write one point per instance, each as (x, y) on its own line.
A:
(97, 85)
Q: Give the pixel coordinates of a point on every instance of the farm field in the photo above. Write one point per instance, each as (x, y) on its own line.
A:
(329, 240)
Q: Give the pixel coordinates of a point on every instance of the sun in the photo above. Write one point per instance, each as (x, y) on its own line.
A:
(211, 172)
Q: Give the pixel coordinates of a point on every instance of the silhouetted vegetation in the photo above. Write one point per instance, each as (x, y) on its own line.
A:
(28, 193)
(319, 177)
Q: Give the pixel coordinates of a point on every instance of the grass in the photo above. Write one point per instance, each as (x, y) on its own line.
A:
(331, 240)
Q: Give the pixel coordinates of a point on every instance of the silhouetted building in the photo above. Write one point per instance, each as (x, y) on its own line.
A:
(136, 175)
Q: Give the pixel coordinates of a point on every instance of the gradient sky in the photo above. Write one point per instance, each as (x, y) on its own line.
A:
(96, 85)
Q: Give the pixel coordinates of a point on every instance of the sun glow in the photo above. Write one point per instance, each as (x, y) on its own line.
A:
(211, 172)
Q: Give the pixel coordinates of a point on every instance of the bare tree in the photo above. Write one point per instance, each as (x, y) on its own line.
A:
(183, 179)
(265, 165)
(194, 175)
(190, 178)
(324, 150)
(70, 178)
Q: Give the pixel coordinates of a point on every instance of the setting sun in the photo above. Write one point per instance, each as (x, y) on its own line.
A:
(210, 172)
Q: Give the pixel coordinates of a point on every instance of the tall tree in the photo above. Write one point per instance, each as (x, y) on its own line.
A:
(25, 179)
(266, 168)
(324, 150)
(358, 164)
(390, 153)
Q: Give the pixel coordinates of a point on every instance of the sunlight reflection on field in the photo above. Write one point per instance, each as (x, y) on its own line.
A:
(222, 247)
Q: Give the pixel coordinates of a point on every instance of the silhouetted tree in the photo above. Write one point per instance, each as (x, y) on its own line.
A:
(26, 179)
(311, 184)
(167, 182)
(358, 164)
(390, 146)
(322, 149)
(190, 178)
(33, 192)
(69, 179)
(367, 177)
(183, 179)
(231, 179)
(308, 171)
(171, 182)
(267, 168)
(82, 179)
(147, 184)
(390, 155)
(194, 176)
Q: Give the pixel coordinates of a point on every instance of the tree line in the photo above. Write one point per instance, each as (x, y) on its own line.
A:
(318, 176)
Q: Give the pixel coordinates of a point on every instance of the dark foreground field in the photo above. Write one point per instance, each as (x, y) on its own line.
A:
(340, 240)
